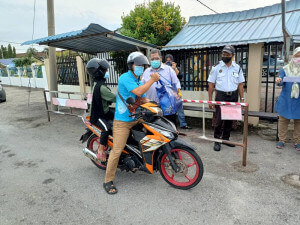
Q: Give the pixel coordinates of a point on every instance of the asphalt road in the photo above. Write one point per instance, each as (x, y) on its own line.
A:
(46, 179)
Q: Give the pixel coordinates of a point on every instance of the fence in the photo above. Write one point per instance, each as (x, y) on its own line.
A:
(67, 68)
(34, 76)
(195, 65)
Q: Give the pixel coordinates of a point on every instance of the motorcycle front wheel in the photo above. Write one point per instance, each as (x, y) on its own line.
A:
(93, 144)
(191, 168)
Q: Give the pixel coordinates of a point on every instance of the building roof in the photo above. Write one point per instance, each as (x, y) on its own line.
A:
(8, 62)
(93, 39)
(238, 28)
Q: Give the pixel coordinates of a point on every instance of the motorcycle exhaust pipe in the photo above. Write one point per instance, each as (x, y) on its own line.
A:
(88, 153)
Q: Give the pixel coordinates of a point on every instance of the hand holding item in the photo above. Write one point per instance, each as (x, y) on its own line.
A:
(278, 80)
(179, 93)
(174, 64)
(155, 77)
(211, 106)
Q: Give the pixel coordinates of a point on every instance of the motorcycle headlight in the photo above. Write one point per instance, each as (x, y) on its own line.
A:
(158, 111)
(167, 134)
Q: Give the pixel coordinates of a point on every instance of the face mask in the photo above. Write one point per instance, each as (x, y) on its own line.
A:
(226, 59)
(106, 75)
(169, 63)
(297, 60)
(138, 70)
(155, 64)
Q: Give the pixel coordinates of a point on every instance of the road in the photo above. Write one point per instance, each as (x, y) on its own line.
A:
(46, 179)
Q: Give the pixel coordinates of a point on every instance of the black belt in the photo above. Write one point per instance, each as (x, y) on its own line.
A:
(228, 93)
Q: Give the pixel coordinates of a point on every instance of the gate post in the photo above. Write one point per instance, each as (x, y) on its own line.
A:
(255, 59)
(81, 74)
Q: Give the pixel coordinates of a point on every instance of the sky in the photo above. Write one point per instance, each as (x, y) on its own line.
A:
(16, 23)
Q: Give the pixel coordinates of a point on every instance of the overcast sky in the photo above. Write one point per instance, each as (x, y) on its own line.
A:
(17, 15)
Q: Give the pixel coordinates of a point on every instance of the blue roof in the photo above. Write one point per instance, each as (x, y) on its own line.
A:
(7, 62)
(238, 28)
(92, 39)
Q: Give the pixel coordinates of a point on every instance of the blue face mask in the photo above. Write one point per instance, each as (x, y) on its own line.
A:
(138, 70)
(155, 64)
(106, 75)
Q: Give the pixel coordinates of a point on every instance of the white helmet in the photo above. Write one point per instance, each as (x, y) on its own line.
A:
(138, 59)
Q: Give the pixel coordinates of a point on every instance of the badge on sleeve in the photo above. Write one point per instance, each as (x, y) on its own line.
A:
(220, 71)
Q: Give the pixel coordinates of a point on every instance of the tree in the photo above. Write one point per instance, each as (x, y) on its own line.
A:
(4, 52)
(156, 22)
(9, 51)
(14, 52)
(1, 56)
(32, 52)
(23, 61)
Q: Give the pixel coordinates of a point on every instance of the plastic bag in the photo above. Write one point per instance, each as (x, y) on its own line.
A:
(168, 97)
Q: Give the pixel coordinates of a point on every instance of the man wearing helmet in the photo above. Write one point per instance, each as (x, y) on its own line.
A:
(101, 115)
(129, 85)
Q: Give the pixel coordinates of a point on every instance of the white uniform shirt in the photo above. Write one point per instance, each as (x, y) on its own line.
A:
(226, 78)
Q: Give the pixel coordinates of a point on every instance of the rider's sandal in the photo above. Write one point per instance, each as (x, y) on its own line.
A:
(101, 157)
(110, 188)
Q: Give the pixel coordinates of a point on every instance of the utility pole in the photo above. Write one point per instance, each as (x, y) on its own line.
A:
(52, 51)
(286, 35)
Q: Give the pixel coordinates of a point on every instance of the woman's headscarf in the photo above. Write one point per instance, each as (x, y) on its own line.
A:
(293, 70)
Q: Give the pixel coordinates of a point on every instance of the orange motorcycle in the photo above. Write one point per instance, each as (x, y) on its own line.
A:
(152, 145)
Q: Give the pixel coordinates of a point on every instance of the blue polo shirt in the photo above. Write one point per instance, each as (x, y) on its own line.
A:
(127, 82)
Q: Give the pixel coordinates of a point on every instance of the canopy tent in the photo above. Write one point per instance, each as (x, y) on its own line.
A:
(93, 39)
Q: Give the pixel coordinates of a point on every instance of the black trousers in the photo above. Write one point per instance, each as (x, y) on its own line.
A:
(223, 127)
(172, 118)
(105, 124)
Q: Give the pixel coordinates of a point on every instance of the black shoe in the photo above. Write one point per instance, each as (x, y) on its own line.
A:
(229, 145)
(186, 127)
(217, 146)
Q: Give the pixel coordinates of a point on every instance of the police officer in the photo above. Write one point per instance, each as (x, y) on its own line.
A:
(227, 78)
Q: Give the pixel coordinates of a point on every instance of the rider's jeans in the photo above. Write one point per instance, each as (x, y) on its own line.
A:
(121, 132)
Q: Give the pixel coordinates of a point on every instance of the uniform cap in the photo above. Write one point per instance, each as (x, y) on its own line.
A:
(229, 49)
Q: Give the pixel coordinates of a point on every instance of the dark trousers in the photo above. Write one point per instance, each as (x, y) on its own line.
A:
(223, 127)
(172, 118)
(105, 124)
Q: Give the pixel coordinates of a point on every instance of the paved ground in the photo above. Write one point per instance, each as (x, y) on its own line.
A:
(45, 179)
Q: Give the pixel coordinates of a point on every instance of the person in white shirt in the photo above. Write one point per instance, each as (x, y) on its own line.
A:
(227, 79)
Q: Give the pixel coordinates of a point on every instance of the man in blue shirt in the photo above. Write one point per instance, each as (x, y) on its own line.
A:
(227, 78)
(167, 74)
(129, 85)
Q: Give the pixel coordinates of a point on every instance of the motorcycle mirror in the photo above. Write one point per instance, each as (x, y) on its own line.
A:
(130, 100)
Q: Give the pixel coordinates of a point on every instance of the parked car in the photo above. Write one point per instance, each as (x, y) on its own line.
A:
(272, 70)
(2, 93)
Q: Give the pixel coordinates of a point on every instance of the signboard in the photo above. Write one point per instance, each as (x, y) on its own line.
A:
(231, 112)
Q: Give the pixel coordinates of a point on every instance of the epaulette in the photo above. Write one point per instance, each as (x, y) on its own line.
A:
(216, 64)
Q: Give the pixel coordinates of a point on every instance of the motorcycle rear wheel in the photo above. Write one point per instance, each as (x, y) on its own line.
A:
(188, 161)
(92, 144)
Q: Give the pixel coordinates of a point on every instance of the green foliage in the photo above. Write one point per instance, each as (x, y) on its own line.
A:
(9, 51)
(156, 22)
(24, 61)
(32, 52)
(4, 52)
(14, 52)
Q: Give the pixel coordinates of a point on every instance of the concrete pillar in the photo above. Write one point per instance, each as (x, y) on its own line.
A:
(81, 74)
(255, 59)
(47, 68)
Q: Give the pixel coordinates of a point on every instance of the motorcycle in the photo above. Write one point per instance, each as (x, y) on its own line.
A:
(152, 145)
